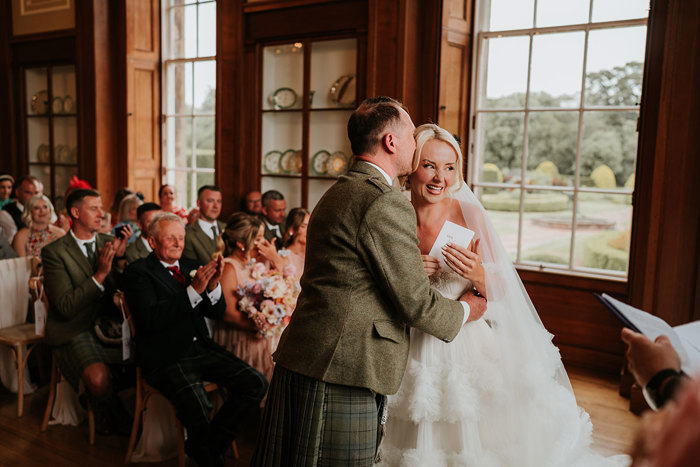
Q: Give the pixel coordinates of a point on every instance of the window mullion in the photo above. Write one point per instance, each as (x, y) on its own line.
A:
(523, 164)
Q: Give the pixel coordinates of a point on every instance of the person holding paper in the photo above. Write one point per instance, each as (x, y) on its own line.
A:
(655, 365)
(498, 395)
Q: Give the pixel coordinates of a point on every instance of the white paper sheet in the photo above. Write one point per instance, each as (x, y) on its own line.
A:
(450, 233)
(653, 326)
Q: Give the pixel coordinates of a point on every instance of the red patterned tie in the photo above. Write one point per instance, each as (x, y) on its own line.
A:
(177, 274)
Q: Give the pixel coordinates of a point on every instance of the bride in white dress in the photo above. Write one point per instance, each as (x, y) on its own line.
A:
(498, 395)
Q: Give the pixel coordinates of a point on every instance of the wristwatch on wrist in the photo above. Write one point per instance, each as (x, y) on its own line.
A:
(652, 390)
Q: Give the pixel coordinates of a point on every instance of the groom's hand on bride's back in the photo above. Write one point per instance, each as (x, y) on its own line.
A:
(477, 305)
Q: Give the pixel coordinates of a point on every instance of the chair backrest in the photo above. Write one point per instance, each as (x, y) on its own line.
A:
(14, 290)
(120, 303)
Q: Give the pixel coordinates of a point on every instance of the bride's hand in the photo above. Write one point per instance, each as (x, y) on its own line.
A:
(430, 264)
(467, 263)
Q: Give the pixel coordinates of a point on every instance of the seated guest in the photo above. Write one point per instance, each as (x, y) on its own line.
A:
(169, 297)
(11, 214)
(166, 195)
(200, 240)
(274, 208)
(128, 215)
(81, 270)
(252, 203)
(237, 333)
(294, 240)
(140, 248)
(6, 182)
(122, 193)
(39, 231)
(6, 251)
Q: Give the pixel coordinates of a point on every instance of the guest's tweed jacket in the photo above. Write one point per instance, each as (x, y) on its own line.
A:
(136, 250)
(363, 287)
(198, 245)
(74, 298)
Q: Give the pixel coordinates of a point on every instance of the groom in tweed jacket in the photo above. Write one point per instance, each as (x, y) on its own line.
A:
(363, 287)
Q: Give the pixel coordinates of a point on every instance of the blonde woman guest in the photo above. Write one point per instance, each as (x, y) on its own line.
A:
(128, 215)
(166, 194)
(38, 230)
(294, 241)
(237, 333)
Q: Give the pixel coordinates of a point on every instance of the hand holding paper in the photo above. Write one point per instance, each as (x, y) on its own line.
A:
(450, 233)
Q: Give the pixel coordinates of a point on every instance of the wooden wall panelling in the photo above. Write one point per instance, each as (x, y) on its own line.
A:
(143, 110)
(233, 81)
(666, 242)
(382, 48)
(455, 69)
(9, 158)
(98, 89)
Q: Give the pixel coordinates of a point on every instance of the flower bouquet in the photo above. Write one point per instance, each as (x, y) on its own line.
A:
(269, 300)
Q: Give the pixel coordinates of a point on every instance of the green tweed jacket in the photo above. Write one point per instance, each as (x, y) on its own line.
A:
(136, 250)
(74, 298)
(363, 287)
(198, 245)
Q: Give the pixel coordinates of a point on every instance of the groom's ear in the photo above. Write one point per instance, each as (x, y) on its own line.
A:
(389, 143)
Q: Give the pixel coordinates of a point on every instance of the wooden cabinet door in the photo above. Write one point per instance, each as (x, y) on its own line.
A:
(143, 97)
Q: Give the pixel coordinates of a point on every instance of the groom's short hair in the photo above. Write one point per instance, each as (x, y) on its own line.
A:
(369, 120)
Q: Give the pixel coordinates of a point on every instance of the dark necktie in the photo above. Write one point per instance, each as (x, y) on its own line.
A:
(90, 248)
(215, 231)
(177, 274)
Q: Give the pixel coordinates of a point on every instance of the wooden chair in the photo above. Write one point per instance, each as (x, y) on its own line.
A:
(36, 286)
(17, 337)
(144, 391)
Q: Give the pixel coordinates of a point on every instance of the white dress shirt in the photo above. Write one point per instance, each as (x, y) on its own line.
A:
(195, 298)
(207, 228)
(273, 228)
(146, 244)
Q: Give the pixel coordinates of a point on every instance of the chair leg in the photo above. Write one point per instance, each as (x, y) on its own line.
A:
(138, 409)
(19, 363)
(52, 395)
(234, 447)
(180, 443)
(91, 425)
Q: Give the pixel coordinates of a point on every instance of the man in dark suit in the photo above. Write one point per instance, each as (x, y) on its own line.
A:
(273, 211)
(11, 215)
(80, 277)
(140, 248)
(201, 235)
(169, 297)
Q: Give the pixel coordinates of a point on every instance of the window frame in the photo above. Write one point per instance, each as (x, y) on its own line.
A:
(475, 131)
(169, 167)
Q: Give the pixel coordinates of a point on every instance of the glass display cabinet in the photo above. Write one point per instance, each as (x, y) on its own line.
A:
(309, 90)
(51, 125)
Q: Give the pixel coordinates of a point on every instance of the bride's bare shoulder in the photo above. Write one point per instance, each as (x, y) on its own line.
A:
(456, 215)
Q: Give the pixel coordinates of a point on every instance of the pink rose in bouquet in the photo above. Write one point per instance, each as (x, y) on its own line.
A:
(269, 300)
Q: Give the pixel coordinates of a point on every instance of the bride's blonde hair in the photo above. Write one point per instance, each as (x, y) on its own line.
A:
(425, 133)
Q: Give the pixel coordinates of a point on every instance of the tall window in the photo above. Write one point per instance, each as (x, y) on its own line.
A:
(189, 90)
(555, 110)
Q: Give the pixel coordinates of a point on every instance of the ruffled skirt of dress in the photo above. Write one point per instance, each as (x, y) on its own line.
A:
(466, 403)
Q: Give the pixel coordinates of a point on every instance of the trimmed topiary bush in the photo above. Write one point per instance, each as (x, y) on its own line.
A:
(549, 168)
(598, 252)
(603, 177)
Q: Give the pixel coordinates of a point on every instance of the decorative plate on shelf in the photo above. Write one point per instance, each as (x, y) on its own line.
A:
(271, 162)
(63, 154)
(319, 162)
(40, 102)
(337, 164)
(343, 90)
(290, 162)
(283, 98)
(43, 153)
(57, 105)
(68, 105)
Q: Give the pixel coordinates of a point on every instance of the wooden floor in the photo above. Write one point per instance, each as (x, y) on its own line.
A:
(21, 443)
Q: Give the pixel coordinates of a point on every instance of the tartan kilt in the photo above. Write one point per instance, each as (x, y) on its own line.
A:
(82, 351)
(308, 422)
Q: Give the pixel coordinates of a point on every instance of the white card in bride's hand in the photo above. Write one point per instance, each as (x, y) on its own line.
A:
(450, 233)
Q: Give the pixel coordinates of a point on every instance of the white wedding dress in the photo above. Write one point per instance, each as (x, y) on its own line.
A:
(497, 395)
